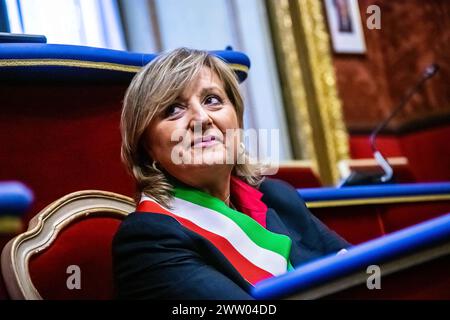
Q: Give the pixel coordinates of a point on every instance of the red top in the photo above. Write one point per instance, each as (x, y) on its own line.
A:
(248, 200)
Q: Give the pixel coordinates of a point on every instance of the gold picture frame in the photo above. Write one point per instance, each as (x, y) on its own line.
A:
(344, 22)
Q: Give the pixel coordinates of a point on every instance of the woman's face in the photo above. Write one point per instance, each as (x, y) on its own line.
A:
(189, 137)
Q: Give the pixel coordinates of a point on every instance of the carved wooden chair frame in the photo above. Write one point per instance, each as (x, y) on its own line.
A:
(45, 227)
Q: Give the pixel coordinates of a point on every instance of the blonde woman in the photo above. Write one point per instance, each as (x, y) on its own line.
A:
(210, 228)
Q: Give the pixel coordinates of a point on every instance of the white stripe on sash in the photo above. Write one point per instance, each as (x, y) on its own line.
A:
(225, 227)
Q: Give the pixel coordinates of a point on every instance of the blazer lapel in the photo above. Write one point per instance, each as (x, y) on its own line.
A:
(299, 252)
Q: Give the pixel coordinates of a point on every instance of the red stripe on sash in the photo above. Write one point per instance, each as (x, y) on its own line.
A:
(248, 270)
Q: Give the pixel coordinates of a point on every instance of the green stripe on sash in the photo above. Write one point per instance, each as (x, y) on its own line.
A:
(278, 243)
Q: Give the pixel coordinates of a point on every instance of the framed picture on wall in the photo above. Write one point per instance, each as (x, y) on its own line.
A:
(345, 26)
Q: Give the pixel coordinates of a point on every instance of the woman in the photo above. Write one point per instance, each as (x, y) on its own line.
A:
(209, 228)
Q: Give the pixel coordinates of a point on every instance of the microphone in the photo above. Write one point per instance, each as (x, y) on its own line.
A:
(357, 178)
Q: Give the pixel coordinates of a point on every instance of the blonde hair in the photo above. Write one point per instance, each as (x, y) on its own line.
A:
(154, 87)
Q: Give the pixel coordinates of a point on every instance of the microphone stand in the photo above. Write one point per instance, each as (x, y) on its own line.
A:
(388, 172)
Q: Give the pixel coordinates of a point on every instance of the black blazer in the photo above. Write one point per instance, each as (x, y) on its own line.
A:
(155, 257)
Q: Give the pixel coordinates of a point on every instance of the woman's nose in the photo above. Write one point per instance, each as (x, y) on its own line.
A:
(199, 116)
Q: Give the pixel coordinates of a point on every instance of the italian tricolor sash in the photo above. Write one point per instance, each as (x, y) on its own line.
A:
(255, 252)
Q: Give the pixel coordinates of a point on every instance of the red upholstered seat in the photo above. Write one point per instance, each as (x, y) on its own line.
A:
(66, 252)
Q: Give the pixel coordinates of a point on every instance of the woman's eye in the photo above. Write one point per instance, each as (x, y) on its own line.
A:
(173, 110)
(212, 100)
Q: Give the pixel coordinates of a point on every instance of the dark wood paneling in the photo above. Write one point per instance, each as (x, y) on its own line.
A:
(413, 34)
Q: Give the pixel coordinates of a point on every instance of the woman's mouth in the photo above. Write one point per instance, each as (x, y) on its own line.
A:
(206, 141)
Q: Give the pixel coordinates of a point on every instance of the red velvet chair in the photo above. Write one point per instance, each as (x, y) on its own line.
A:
(66, 251)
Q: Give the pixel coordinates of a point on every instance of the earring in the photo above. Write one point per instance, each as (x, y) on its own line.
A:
(242, 146)
(241, 155)
(154, 166)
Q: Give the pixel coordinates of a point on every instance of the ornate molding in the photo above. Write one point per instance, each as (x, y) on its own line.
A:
(292, 79)
(304, 57)
(328, 103)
